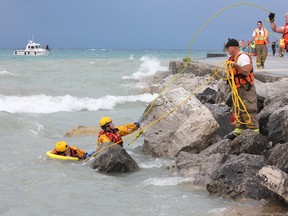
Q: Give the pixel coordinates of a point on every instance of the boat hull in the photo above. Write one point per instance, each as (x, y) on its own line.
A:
(31, 53)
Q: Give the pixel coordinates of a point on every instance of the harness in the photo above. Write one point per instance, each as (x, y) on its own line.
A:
(285, 36)
(114, 136)
(241, 79)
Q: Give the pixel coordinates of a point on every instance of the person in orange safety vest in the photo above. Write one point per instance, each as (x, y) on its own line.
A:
(62, 148)
(283, 29)
(110, 133)
(241, 62)
(260, 36)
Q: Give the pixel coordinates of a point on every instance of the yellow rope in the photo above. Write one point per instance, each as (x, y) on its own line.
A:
(237, 101)
(100, 150)
(159, 119)
(177, 106)
(190, 46)
(219, 12)
(238, 105)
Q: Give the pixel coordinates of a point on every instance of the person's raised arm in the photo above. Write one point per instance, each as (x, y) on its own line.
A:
(273, 25)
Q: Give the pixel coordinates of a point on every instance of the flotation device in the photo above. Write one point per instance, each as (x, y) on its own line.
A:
(241, 79)
(260, 39)
(114, 137)
(285, 36)
(50, 154)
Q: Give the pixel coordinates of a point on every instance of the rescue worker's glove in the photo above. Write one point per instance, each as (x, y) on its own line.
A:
(89, 154)
(271, 17)
(137, 124)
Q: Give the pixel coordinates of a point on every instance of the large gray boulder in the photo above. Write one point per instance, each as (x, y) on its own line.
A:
(190, 127)
(270, 89)
(275, 180)
(113, 159)
(279, 157)
(273, 119)
(248, 142)
(198, 166)
(236, 178)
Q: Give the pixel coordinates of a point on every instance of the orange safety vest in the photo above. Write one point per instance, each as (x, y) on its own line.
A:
(285, 36)
(260, 39)
(114, 136)
(241, 79)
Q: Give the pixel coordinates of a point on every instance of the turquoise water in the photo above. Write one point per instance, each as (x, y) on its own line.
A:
(43, 97)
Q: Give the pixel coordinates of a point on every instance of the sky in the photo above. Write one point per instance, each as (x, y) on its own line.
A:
(132, 24)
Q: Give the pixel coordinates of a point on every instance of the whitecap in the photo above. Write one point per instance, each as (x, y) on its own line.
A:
(4, 72)
(67, 103)
(148, 67)
(170, 181)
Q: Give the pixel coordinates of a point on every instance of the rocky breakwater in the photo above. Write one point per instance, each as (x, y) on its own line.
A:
(254, 165)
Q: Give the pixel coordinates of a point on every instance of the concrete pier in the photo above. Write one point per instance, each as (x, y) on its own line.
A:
(275, 67)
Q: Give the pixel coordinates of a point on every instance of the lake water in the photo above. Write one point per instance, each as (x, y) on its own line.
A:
(43, 97)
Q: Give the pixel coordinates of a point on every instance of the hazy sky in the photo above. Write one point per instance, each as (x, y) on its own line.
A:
(143, 24)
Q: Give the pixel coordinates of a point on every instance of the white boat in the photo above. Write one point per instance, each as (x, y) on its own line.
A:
(33, 49)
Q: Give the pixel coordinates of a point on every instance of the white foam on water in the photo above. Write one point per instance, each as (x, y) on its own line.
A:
(158, 163)
(148, 67)
(37, 129)
(67, 103)
(170, 181)
(217, 211)
(5, 73)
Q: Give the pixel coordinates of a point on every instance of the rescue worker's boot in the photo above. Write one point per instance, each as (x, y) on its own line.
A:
(262, 65)
(234, 134)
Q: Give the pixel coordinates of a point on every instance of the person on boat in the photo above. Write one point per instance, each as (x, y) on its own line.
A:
(241, 63)
(62, 148)
(110, 133)
(279, 29)
(261, 38)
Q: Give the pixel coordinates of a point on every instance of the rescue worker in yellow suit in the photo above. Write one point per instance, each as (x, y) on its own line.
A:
(110, 133)
(244, 81)
(62, 148)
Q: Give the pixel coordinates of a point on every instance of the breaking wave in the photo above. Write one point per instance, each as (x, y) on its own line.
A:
(67, 103)
(148, 67)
